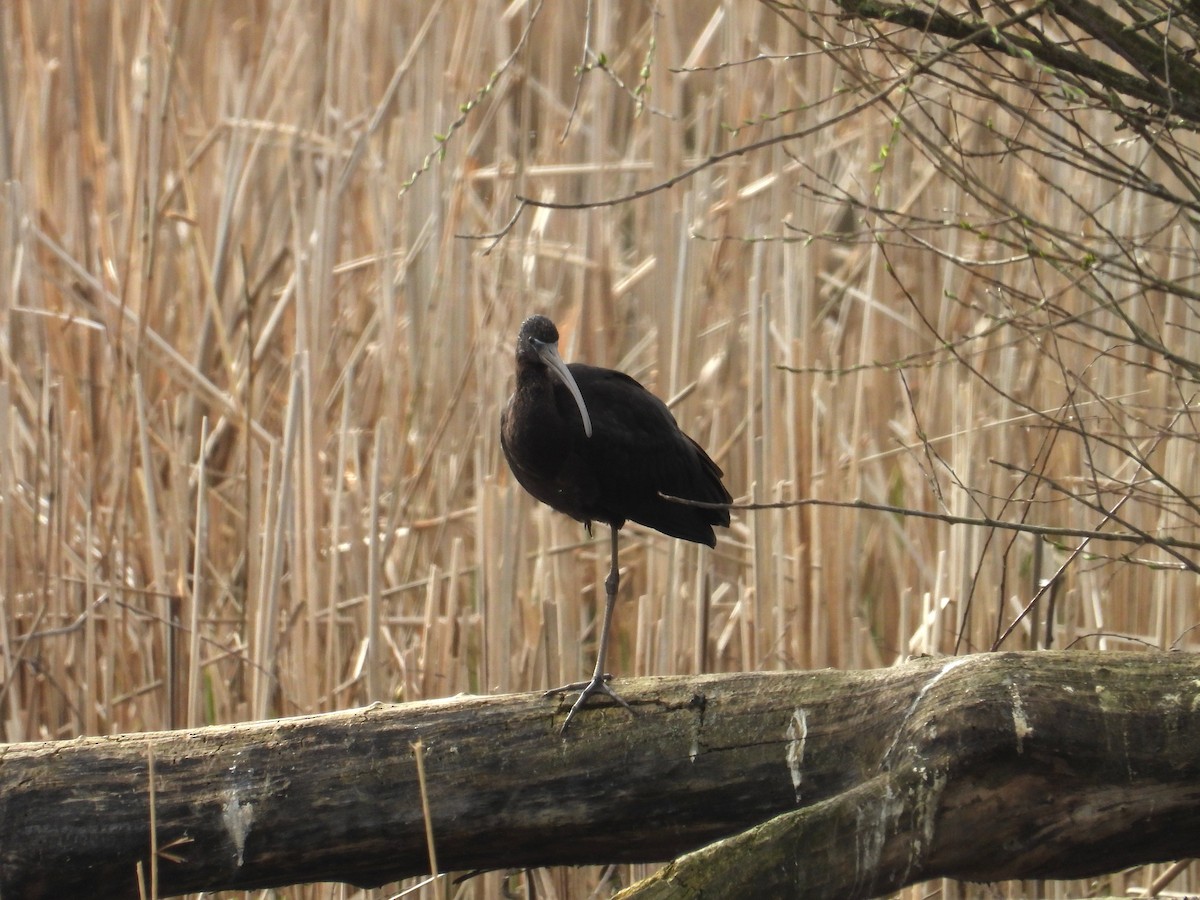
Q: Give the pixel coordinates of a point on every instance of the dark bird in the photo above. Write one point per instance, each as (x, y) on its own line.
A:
(596, 445)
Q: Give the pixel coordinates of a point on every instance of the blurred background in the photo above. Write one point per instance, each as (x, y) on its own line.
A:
(264, 266)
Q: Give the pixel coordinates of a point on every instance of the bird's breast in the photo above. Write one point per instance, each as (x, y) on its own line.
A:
(545, 452)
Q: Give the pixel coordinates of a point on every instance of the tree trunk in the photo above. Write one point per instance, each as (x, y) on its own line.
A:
(985, 767)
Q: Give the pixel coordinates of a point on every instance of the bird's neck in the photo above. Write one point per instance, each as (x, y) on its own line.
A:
(535, 378)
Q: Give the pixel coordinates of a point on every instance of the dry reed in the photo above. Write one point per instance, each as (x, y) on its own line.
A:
(251, 370)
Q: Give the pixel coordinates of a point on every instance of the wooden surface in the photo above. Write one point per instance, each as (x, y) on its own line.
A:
(982, 767)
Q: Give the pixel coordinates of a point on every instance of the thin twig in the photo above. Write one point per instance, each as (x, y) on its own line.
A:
(1047, 531)
(717, 158)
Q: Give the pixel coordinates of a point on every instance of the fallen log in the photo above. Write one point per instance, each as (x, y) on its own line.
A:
(834, 784)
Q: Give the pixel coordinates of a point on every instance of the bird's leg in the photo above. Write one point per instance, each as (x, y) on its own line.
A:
(599, 681)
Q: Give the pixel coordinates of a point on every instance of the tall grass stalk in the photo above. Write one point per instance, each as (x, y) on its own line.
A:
(251, 370)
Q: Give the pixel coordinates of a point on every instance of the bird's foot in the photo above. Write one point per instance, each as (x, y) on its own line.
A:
(597, 685)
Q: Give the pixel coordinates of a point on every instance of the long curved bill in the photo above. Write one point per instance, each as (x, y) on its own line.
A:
(549, 355)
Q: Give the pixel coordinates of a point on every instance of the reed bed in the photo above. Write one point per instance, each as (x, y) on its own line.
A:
(258, 331)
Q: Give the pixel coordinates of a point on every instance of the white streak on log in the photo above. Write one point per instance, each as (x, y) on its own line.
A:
(239, 819)
(797, 734)
(1021, 726)
(925, 808)
(916, 704)
(873, 825)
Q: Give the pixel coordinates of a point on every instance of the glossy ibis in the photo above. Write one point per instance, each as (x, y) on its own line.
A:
(596, 445)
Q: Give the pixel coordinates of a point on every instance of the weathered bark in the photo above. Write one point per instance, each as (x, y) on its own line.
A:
(983, 767)
(1053, 765)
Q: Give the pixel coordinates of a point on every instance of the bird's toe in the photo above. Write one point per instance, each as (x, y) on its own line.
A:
(597, 685)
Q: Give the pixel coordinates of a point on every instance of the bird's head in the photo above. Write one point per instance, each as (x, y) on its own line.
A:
(537, 345)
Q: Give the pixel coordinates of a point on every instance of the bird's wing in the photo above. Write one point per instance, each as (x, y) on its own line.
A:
(637, 450)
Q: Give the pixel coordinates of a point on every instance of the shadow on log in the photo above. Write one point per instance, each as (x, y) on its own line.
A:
(833, 784)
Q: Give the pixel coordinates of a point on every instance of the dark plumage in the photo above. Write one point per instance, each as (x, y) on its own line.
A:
(596, 445)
